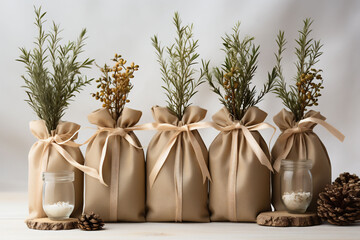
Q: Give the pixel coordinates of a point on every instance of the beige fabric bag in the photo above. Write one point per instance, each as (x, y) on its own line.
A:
(298, 141)
(177, 189)
(240, 187)
(49, 154)
(116, 148)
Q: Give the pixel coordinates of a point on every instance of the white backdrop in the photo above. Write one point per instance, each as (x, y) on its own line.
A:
(125, 27)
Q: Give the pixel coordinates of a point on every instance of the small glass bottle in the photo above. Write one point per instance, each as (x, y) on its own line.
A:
(58, 194)
(296, 185)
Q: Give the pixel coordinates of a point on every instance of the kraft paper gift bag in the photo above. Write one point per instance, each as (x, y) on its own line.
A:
(176, 166)
(116, 152)
(240, 168)
(54, 152)
(298, 142)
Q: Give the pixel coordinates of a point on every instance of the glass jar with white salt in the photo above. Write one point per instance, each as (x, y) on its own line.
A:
(58, 194)
(296, 185)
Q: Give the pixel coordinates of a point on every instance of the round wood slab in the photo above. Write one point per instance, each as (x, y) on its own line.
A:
(285, 219)
(47, 224)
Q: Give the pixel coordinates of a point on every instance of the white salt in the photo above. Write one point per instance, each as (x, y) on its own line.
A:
(58, 210)
(296, 201)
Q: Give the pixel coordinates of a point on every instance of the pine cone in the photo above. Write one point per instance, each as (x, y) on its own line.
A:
(90, 222)
(345, 178)
(339, 204)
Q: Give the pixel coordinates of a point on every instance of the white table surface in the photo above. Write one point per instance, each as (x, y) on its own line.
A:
(13, 211)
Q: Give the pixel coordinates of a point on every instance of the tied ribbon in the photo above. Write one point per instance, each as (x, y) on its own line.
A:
(286, 139)
(246, 130)
(115, 164)
(57, 142)
(178, 174)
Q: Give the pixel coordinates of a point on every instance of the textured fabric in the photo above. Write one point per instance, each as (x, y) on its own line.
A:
(55, 163)
(130, 175)
(306, 145)
(252, 179)
(163, 199)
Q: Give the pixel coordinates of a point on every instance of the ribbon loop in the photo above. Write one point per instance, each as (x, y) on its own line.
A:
(286, 139)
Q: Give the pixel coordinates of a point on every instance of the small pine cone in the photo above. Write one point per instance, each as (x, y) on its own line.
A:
(345, 178)
(339, 204)
(90, 222)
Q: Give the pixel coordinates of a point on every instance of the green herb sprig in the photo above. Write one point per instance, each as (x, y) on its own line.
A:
(308, 80)
(233, 79)
(49, 92)
(178, 69)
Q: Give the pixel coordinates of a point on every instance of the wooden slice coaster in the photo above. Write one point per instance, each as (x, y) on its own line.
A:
(47, 224)
(285, 219)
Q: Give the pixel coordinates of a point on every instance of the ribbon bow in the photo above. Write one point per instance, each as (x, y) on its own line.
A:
(56, 142)
(188, 128)
(286, 139)
(235, 157)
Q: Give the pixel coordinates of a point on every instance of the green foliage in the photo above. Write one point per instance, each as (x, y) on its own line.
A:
(233, 79)
(49, 92)
(299, 97)
(178, 68)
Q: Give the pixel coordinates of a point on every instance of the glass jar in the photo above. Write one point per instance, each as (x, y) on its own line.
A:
(58, 194)
(296, 185)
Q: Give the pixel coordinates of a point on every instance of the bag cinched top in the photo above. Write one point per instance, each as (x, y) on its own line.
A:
(297, 142)
(176, 163)
(119, 193)
(54, 152)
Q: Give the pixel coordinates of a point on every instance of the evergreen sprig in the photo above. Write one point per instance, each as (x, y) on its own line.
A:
(308, 80)
(178, 68)
(236, 73)
(49, 92)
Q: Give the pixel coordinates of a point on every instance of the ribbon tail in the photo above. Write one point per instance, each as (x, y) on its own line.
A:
(288, 145)
(200, 157)
(178, 179)
(161, 160)
(102, 160)
(326, 125)
(256, 148)
(233, 176)
(88, 170)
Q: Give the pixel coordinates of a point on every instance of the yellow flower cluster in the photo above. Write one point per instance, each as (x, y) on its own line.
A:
(309, 88)
(114, 86)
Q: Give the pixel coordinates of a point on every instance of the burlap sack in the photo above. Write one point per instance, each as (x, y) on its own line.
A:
(298, 141)
(45, 155)
(240, 187)
(123, 171)
(176, 190)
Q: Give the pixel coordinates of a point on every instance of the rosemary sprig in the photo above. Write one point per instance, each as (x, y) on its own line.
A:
(308, 80)
(178, 68)
(49, 92)
(236, 73)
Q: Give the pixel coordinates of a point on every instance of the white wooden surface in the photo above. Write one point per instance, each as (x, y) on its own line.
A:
(13, 210)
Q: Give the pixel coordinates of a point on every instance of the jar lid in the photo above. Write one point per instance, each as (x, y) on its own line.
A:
(64, 176)
(289, 163)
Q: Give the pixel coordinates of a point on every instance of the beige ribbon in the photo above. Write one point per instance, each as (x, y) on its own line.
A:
(235, 157)
(286, 139)
(178, 175)
(56, 142)
(115, 164)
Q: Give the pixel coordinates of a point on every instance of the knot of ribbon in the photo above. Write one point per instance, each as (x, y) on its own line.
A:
(254, 145)
(286, 139)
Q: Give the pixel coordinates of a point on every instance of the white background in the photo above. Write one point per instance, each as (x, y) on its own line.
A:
(125, 27)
